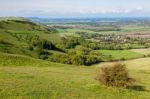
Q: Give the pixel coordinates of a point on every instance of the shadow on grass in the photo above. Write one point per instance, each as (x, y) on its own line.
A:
(137, 88)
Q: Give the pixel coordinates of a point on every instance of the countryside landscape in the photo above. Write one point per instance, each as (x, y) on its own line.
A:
(74, 56)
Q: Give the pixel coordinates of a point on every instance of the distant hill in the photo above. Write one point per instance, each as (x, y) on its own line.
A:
(13, 18)
(125, 20)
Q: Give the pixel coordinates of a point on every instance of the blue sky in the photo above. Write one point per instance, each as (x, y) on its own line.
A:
(75, 8)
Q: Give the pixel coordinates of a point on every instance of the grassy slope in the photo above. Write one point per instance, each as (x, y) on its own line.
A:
(142, 51)
(120, 54)
(140, 70)
(11, 30)
(20, 60)
(8, 38)
(26, 27)
(41, 79)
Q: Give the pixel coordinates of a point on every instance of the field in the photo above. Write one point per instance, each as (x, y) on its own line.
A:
(142, 51)
(120, 54)
(34, 79)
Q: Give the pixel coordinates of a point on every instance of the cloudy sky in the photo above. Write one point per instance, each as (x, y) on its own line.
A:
(75, 8)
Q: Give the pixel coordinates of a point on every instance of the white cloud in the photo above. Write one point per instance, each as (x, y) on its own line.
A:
(117, 11)
(72, 7)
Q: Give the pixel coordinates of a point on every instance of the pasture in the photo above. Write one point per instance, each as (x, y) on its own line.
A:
(120, 54)
(142, 51)
(24, 77)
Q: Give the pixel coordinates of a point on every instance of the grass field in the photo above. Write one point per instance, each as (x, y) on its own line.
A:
(26, 78)
(26, 27)
(121, 54)
(142, 51)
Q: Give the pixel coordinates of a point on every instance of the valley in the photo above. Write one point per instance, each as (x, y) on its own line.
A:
(59, 59)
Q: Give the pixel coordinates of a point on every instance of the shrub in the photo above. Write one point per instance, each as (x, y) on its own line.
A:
(44, 54)
(70, 42)
(115, 75)
(92, 59)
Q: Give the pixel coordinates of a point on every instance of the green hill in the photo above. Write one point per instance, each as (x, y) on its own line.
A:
(17, 35)
(15, 60)
(24, 75)
(29, 78)
(24, 37)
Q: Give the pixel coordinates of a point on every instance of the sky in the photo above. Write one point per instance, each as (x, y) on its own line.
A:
(75, 8)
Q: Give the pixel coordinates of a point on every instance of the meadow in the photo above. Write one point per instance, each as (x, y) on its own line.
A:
(36, 79)
(142, 51)
(121, 54)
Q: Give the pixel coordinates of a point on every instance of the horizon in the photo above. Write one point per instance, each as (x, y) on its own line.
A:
(75, 8)
(37, 17)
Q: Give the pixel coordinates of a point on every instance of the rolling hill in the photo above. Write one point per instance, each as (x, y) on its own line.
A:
(23, 75)
(17, 34)
(26, 77)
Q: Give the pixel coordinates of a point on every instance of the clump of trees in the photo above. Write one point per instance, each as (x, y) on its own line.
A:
(70, 42)
(43, 44)
(52, 30)
(59, 58)
(44, 54)
(84, 56)
(41, 47)
(80, 56)
(115, 75)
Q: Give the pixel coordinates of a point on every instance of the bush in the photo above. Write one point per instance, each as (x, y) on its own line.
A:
(60, 58)
(70, 42)
(92, 59)
(115, 75)
(44, 54)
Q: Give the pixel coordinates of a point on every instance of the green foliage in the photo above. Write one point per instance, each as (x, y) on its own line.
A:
(80, 56)
(115, 75)
(44, 54)
(44, 44)
(60, 58)
(52, 30)
(70, 42)
(93, 59)
(77, 57)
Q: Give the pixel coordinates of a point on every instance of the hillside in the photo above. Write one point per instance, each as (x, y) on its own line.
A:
(77, 46)
(25, 77)
(38, 61)
(15, 60)
(17, 35)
